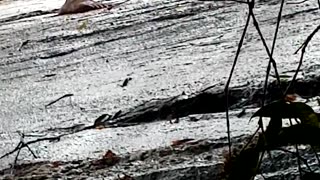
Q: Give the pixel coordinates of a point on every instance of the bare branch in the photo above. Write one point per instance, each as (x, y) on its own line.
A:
(229, 80)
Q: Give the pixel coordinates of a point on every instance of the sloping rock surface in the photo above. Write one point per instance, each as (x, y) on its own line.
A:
(167, 48)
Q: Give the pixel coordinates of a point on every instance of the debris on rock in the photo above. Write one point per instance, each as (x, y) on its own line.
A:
(109, 159)
(180, 142)
(126, 81)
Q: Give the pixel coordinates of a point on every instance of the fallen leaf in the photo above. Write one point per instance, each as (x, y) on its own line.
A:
(99, 121)
(99, 127)
(56, 164)
(291, 97)
(180, 142)
(110, 158)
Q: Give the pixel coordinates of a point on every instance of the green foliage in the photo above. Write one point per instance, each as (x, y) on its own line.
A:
(292, 110)
(245, 165)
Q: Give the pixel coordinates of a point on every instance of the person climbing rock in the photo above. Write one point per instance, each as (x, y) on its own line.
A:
(80, 6)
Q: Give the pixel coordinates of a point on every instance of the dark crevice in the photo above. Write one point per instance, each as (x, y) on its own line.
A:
(289, 16)
(292, 15)
(57, 54)
(173, 16)
(211, 101)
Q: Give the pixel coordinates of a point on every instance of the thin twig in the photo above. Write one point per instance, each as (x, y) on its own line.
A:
(299, 157)
(316, 154)
(298, 160)
(271, 61)
(22, 145)
(19, 148)
(226, 90)
(23, 44)
(306, 42)
(265, 140)
(16, 159)
(33, 154)
(251, 138)
(297, 153)
(14, 150)
(260, 160)
(207, 88)
(272, 50)
(64, 96)
(256, 24)
(268, 71)
(303, 50)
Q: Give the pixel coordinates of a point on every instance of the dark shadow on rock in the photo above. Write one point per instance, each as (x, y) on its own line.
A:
(212, 101)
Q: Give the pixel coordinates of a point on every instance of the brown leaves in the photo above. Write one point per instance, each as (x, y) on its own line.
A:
(180, 142)
(191, 145)
(291, 97)
(100, 127)
(56, 164)
(109, 159)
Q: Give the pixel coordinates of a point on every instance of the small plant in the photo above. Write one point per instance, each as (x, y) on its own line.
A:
(244, 163)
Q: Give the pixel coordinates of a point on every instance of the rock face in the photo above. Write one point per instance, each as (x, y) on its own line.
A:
(164, 47)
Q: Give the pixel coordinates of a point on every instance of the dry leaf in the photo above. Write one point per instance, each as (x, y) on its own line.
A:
(55, 164)
(99, 127)
(291, 97)
(110, 158)
(180, 142)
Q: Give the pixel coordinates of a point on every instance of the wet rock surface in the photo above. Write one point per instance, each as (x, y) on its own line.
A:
(166, 48)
